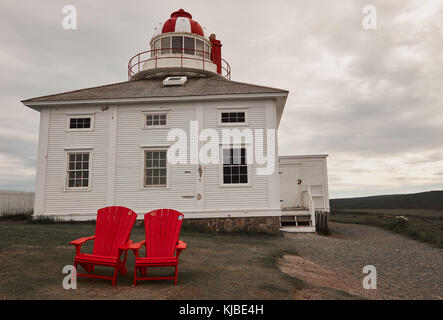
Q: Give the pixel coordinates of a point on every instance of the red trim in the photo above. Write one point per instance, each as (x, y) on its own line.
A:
(169, 25)
(196, 28)
(181, 13)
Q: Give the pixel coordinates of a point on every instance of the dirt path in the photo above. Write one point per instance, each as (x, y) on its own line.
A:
(406, 269)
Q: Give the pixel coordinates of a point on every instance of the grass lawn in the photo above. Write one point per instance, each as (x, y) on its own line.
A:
(422, 225)
(225, 266)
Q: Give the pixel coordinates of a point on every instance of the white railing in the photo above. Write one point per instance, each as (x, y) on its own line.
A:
(16, 202)
(309, 203)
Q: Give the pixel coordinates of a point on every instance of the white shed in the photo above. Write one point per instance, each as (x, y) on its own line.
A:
(303, 190)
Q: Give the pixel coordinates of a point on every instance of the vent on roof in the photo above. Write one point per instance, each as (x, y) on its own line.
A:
(175, 81)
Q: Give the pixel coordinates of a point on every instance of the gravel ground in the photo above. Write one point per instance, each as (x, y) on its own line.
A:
(406, 269)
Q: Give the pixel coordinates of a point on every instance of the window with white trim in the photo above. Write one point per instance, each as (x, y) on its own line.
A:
(78, 170)
(80, 123)
(235, 168)
(156, 119)
(233, 117)
(155, 168)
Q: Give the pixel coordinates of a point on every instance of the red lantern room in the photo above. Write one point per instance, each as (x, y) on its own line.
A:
(180, 45)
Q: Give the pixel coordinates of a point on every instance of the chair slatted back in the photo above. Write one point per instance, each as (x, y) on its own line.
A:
(162, 231)
(113, 228)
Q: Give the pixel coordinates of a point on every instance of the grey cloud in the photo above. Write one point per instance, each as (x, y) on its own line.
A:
(352, 91)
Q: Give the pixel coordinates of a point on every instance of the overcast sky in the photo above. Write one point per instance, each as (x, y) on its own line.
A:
(371, 99)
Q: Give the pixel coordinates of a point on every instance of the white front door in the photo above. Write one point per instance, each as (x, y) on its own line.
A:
(290, 186)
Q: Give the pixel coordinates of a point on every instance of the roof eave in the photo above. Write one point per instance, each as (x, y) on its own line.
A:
(37, 105)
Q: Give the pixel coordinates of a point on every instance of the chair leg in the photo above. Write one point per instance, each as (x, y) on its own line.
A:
(114, 278)
(122, 269)
(176, 272)
(135, 276)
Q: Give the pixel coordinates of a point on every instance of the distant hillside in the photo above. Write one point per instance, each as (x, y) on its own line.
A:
(432, 200)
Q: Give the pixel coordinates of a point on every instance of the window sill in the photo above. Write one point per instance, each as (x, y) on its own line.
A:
(80, 130)
(233, 124)
(77, 190)
(155, 188)
(235, 185)
(156, 127)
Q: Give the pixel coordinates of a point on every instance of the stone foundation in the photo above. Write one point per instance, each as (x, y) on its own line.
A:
(267, 225)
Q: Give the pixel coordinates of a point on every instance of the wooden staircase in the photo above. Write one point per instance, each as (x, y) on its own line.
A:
(296, 220)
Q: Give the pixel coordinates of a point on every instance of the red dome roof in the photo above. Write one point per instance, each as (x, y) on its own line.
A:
(181, 21)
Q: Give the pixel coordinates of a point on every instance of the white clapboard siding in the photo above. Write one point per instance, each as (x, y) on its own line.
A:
(254, 196)
(131, 139)
(58, 201)
(16, 202)
(125, 129)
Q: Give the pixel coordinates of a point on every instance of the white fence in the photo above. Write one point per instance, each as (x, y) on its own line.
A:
(16, 202)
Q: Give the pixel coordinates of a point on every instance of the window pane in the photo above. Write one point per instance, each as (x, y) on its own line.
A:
(166, 43)
(233, 117)
(156, 47)
(155, 170)
(189, 45)
(235, 170)
(79, 123)
(206, 51)
(199, 47)
(177, 44)
(78, 173)
(156, 119)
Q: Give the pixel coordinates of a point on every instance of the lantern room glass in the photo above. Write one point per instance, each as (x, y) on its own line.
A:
(181, 44)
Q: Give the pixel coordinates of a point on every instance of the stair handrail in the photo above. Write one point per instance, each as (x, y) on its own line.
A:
(311, 205)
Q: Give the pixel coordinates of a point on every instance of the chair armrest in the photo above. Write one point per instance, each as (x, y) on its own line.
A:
(181, 245)
(80, 241)
(136, 246)
(125, 246)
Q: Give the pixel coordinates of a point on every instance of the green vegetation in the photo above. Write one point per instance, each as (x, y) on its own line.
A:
(422, 225)
(432, 200)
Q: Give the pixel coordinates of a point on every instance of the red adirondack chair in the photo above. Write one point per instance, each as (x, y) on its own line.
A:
(162, 230)
(111, 239)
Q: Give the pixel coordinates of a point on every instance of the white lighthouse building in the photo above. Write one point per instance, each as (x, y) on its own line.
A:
(110, 145)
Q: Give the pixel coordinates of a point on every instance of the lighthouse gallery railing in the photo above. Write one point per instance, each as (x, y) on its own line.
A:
(135, 64)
